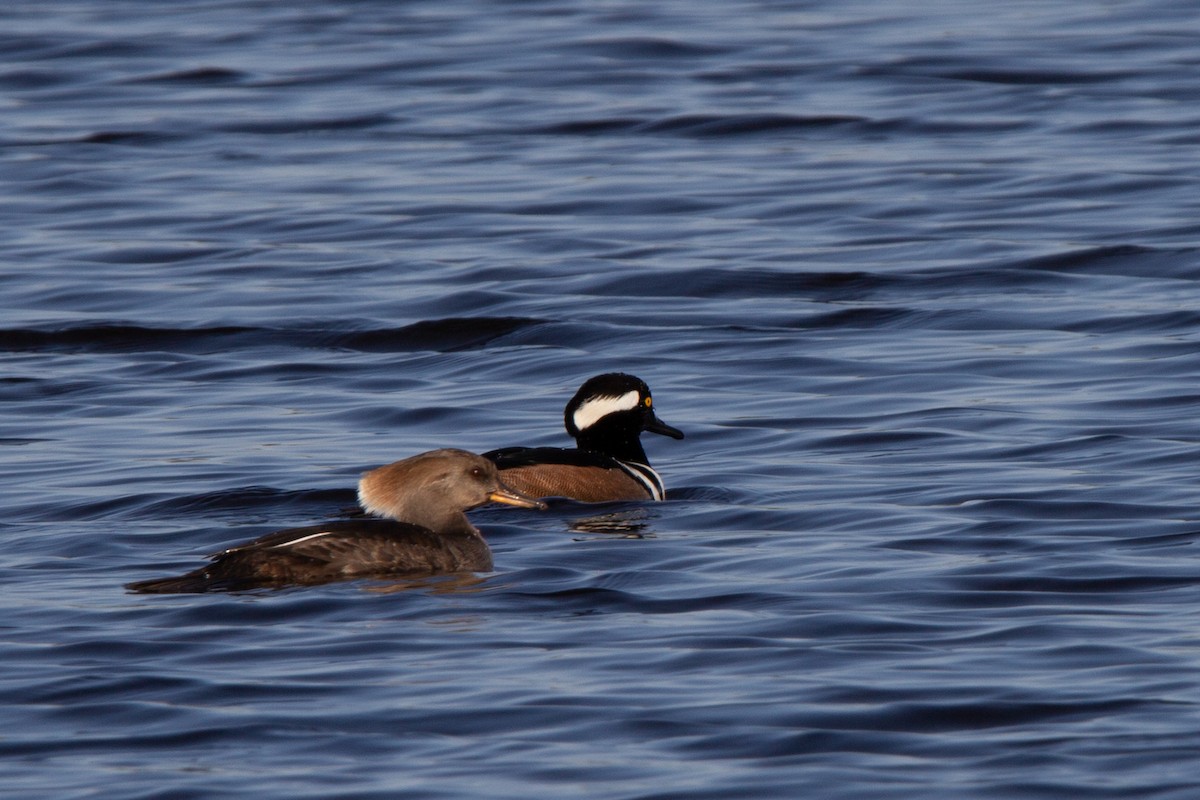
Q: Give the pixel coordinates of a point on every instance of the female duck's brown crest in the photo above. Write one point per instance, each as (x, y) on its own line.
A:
(433, 489)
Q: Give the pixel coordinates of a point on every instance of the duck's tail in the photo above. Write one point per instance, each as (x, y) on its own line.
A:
(191, 583)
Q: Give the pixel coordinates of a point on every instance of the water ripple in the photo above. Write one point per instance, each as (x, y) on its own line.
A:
(917, 286)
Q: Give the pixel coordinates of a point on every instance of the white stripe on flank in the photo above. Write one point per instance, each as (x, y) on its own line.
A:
(646, 476)
(292, 542)
(597, 408)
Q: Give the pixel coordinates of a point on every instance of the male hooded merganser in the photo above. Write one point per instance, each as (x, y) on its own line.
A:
(606, 418)
(427, 533)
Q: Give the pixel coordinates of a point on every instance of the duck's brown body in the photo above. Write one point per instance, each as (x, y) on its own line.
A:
(577, 474)
(428, 535)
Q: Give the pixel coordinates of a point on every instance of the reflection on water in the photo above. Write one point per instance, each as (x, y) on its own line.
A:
(461, 583)
(630, 523)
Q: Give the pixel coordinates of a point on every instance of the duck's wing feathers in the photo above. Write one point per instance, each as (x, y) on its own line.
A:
(337, 551)
(368, 547)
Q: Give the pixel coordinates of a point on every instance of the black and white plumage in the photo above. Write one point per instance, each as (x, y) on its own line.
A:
(606, 418)
(427, 532)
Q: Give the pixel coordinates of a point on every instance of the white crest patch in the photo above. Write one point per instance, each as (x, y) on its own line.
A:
(596, 408)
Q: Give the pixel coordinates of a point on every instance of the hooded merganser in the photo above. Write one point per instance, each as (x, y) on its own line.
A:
(606, 418)
(427, 533)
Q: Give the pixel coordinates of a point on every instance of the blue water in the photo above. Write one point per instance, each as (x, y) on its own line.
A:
(919, 282)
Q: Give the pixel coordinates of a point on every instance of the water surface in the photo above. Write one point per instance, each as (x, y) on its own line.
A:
(918, 283)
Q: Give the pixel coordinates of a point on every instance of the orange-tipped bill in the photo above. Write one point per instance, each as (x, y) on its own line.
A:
(511, 497)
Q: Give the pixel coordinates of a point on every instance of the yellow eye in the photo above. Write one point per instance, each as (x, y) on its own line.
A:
(648, 402)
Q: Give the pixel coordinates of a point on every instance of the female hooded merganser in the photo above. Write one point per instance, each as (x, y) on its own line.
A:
(427, 533)
(606, 418)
